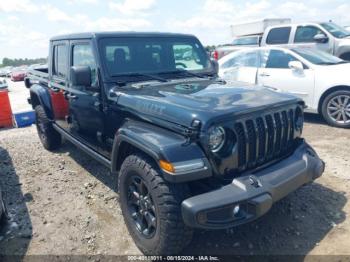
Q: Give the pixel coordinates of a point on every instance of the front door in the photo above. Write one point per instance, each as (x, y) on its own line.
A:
(275, 72)
(85, 119)
(304, 37)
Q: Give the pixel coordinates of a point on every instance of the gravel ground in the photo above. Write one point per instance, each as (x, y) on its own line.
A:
(64, 203)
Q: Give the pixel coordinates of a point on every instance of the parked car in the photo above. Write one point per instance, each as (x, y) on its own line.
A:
(247, 34)
(326, 36)
(5, 71)
(320, 79)
(237, 44)
(3, 83)
(190, 150)
(18, 74)
(188, 55)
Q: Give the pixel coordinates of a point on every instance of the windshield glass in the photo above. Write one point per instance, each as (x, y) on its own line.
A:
(152, 55)
(336, 30)
(246, 41)
(318, 57)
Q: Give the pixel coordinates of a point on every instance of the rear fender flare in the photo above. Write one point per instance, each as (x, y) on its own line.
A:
(39, 95)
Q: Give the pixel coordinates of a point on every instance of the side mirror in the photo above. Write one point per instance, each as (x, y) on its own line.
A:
(215, 65)
(81, 76)
(296, 65)
(321, 38)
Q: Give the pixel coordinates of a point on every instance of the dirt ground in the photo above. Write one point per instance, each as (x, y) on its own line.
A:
(64, 203)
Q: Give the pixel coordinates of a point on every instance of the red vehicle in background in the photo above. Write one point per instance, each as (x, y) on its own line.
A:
(18, 74)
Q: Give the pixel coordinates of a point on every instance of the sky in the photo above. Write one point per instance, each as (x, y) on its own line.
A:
(27, 25)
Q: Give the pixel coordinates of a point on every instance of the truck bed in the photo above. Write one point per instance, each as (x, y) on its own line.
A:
(38, 75)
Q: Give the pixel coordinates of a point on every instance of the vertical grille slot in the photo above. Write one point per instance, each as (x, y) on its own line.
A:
(262, 138)
(278, 132)
(291, 126)
(285, 128)
(251, 142)
(271, 135)
(241, 145)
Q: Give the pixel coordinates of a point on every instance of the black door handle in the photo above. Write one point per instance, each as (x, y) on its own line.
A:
(55, 89)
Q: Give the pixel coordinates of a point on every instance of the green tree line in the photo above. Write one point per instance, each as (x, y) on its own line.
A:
(20, 61)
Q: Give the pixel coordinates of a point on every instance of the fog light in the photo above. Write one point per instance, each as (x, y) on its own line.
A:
(202, 218)
(236, 210)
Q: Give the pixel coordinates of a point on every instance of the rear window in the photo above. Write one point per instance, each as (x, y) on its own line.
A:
(254, 40)
(244, 59)
(278, 36)
(60, 60)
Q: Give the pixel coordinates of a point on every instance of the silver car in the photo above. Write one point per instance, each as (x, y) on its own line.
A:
(3, 83)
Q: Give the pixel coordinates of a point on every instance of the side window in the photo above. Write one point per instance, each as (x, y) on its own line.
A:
(249, 59)
(279, 59)
(60, 61)
(83, 56)
(305, 34)
(186, 56)
(278, 36)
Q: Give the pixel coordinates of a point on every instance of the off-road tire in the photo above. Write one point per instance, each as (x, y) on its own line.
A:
(4, 214)
(49, 137)
(171, 234)
(324, 108)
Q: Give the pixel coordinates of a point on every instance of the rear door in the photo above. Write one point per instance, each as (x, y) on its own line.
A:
(275, 72)
(58, 81)
(242, 67)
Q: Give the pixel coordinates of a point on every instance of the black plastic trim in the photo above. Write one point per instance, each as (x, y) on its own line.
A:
(83, 147)
(274, 183)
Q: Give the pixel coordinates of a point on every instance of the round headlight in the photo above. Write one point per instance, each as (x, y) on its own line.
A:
(216, 138)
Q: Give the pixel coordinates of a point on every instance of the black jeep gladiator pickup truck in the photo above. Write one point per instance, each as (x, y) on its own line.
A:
(190, 150)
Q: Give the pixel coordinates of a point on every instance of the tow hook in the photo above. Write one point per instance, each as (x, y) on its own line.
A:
(254, 181)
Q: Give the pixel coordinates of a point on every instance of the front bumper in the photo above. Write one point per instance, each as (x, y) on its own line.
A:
(252, 195)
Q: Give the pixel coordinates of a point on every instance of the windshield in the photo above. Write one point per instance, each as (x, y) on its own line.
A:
(152, 55)
(336, 30)
(254, 40)
(318, 57)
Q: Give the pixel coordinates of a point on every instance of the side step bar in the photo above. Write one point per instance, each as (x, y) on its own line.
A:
(104, 161)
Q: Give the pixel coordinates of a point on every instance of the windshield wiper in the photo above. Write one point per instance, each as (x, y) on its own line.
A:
(183, 71)
(161, 79)
(345, 35)
(333, 63)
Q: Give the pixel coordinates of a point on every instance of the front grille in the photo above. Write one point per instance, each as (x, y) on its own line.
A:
(264, 138)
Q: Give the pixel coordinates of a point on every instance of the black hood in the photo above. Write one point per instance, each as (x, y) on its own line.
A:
(206, 100)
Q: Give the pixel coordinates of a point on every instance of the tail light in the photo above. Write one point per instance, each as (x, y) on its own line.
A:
(216, 55)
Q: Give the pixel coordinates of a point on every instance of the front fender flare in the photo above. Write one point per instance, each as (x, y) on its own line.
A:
(159, 144)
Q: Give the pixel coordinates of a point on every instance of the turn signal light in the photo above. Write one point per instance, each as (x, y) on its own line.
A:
(167, 166)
